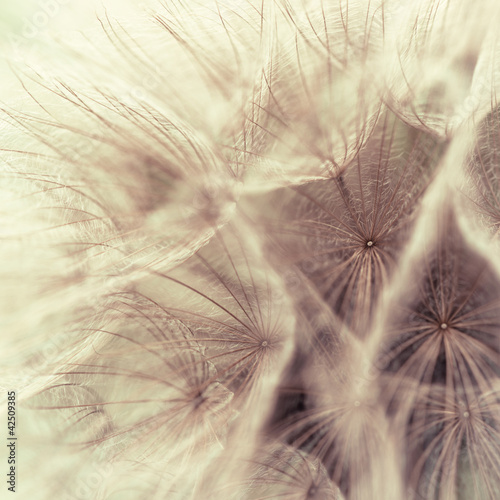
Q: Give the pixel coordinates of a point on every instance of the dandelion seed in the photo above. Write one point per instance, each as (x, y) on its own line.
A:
(448, 444)
(279, 471)
(461, 353)
(434, 66)
(482, 191)
(343, 426)
(304, 122)
(371, 206)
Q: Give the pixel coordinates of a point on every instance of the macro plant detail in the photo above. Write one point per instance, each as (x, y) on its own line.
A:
(447, 333)
(286, 473)
(249, 250)
(460, 455)
(346, 233)
(483, 192)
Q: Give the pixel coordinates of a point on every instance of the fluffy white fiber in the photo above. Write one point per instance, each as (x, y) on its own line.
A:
(249, 250)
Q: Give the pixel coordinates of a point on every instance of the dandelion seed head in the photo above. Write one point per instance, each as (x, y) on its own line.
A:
(331, 116)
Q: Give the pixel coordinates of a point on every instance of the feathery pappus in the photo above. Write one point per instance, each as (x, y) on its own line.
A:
(249, 250)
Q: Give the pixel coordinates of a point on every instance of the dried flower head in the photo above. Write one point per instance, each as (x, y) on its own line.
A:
(248, 251)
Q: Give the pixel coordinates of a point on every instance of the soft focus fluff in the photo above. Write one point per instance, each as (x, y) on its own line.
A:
(249, 250)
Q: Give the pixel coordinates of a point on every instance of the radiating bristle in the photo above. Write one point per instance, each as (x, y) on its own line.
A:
(249, 250)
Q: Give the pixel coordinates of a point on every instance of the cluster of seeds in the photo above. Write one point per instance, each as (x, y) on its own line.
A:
(258, 257)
